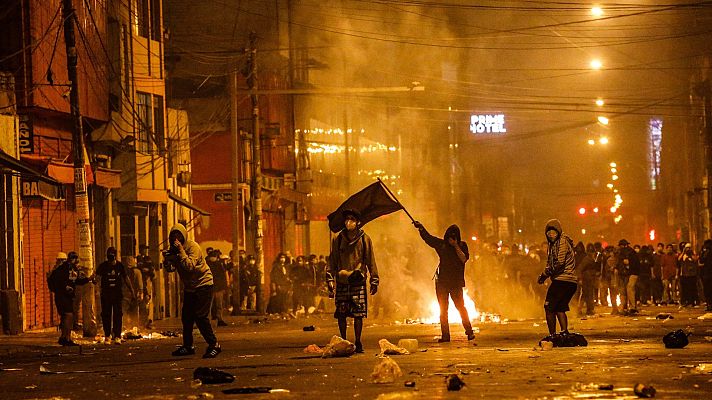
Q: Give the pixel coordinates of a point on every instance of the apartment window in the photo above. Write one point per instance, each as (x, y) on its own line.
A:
(128, 235)
(144, 129)
(158, 126)
(142, 17)
(147, 18)
(156, 20)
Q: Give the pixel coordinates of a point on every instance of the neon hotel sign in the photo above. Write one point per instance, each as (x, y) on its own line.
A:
(487, 123)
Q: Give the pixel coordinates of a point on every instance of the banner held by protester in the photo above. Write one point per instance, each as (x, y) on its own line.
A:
(374, 201)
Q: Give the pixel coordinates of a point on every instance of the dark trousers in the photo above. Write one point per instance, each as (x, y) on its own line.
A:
(707, 286)
(443, 293)
(588, 287)
(111, 314)
(644, 293)
(196, 311)
(688, 290)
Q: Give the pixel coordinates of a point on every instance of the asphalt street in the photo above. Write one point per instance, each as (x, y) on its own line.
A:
(503, 362)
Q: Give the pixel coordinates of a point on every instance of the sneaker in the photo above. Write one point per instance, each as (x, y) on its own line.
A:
(183, 351)
(359, 347)
(222, 323)
(117, 340)
(212, 351)
(471, 336)
(444, 340)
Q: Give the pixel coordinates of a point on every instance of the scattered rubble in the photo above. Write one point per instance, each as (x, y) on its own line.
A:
(664, 316)
(211, 376)
(310, 328)
(676, 339)
(644, 391)
(338, 347)
(386, 371)
(409, 344)
(313, 349)
(388, 348)
(454, 383)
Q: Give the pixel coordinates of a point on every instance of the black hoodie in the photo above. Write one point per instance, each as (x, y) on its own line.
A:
(451, 270)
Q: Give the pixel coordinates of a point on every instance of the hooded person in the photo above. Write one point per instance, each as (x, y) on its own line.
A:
(351, 263)
(561, 269)
(186, 257)
(449, 276)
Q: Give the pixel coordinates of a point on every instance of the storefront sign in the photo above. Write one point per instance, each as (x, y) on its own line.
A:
(225, 197)
(488, 123)
(27, 135)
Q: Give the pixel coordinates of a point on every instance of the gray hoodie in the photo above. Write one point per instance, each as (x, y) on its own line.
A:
(560, 263)
(192, 268)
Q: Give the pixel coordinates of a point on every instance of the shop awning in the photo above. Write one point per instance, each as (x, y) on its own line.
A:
(10, 162)
(108, 178)
(186, 204)
(64, 172)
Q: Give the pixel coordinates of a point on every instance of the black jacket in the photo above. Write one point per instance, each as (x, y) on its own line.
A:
(451, 270)
(65, 276)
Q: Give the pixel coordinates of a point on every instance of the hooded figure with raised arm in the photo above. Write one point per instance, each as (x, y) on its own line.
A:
(560, 268)
(186, 257)
(449, 276)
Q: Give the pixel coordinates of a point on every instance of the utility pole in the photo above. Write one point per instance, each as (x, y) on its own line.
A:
(235, 175)
(707, 134)
(85, 249)
(257, 168)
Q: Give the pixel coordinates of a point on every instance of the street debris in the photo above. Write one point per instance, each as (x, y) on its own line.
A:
(676, 339)
(211, 376)
(593, 386)
(546, 345)
(313, 349)
(10, 369)
(705, 316)
(248, 390)
(409, 384)
(704, 368)
(31, 387)
(196, 383)
(454, 383)
(386, 371)
(565, 340)
(396, 396)
(409, 344)
(338, 347)
(45, 371)
(310, 328)
(388, 348)
(708, 339)
(204, 395)
(664, 316)
(170, 334)
(644, 391)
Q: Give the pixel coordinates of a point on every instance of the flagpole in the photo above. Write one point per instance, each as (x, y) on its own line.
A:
(396, 199)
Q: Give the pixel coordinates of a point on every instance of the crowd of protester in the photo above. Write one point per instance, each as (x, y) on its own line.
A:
(622, 277)
(298, 285)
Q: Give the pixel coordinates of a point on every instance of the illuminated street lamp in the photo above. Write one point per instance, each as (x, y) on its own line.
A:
(591, 142)
(614, 209)
(613, 165)
(610, 186)
(614, 170)
(596, 64)
(595, 210)
(614, 177)
(596, 11)
(603, 140)
(582, 211)
(602, 120)
(600, 102)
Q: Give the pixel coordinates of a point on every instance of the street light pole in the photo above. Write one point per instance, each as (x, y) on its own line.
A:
(257, 170)
(82, 214)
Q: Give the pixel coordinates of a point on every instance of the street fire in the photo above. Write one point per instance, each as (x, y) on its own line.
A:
(454, 316)
(618, 300)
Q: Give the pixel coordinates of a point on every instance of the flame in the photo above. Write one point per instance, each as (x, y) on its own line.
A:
(608, 299)
(454, 316)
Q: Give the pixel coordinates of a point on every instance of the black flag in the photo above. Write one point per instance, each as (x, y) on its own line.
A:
(372, 202)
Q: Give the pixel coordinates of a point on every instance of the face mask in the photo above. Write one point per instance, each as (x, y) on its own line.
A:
(551, 235)
(350, 224)
(111, 257)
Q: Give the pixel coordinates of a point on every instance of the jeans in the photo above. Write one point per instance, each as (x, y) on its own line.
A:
(218, 306)
(196, 310)
(84, 302)
(630, 292)
(444, 293)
